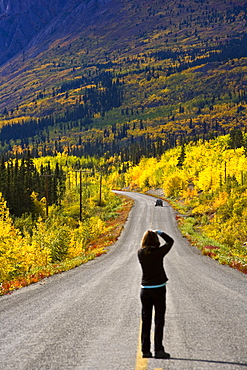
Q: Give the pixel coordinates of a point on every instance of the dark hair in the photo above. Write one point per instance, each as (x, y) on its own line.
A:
(150, 240)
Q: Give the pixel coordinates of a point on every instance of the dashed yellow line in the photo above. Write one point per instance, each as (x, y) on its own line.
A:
(141, 363)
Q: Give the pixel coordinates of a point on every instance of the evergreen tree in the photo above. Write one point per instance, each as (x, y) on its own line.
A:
(181, 157)
(236, 139)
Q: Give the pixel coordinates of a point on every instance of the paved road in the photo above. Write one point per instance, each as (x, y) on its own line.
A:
(89, 318)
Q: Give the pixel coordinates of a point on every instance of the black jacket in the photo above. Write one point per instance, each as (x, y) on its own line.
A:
(153, 272)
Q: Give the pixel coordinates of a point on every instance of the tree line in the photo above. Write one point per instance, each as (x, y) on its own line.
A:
(21, 184)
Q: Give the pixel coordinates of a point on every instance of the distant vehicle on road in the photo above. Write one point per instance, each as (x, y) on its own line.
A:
(159, 202)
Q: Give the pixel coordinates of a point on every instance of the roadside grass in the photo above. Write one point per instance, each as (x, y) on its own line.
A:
(225, 255)
(96, 247)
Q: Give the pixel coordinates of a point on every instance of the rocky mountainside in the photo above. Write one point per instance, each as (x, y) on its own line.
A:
(29, 22)
(175, 67)
(34, 32)
(25, 23)
(22, 20)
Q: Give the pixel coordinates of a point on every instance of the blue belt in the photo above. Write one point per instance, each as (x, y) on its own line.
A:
(152, 286)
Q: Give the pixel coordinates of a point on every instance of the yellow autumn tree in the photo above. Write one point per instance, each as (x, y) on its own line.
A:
(18, 254)
(10, 244)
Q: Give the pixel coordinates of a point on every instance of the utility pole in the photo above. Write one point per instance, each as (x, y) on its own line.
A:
(80, 196)
(100, 189)
(80, 184)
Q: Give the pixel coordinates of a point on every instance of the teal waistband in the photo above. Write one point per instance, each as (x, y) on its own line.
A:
(152, 286)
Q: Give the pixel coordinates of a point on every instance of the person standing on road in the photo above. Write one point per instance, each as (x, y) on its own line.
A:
(153, 290)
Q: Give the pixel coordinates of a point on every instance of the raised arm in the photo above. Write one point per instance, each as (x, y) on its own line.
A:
(168, 239)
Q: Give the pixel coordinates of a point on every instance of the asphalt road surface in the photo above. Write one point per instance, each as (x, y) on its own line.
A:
(89, 318)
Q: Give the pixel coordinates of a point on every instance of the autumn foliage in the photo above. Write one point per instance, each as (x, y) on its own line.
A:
(34, 248)
(207, 182)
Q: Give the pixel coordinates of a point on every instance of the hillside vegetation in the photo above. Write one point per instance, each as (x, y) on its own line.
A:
(148, 76)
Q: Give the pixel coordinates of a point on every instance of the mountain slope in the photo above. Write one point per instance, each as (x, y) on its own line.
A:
(21, 21)
(96, 31)
(177, 66)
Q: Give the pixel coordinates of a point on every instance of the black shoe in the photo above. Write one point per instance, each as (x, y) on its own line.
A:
(147, 354)
(162, 354)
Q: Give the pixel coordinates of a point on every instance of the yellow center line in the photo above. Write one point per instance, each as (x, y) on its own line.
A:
(141, 363)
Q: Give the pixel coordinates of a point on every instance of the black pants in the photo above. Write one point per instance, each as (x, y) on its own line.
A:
(153, 297)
